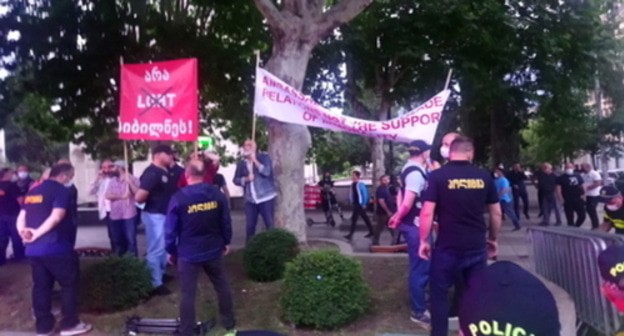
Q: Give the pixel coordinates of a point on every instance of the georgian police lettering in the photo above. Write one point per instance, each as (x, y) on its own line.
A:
(33, 199)
(484, 328)
(201, 207)
(466, 183)
(615, 270)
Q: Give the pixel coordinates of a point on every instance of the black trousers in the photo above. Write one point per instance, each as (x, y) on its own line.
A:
(359, 211)
(549, 205)
(64, 269)
(188, 273)
(570, 207)
(591, 203)
(521, 194)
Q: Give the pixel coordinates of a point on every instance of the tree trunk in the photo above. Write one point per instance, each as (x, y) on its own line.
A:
(377, 148)
(289, 143)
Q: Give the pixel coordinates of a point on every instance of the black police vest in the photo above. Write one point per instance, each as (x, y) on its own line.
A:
(416, 206)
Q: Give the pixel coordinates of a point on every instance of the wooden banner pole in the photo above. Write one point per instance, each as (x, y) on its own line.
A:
(448, 79)
(253, 125)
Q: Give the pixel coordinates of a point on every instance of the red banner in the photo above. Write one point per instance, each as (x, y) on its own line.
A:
(159, 101)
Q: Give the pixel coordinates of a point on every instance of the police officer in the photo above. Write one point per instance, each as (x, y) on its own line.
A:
(457, 194)
(47, 229)
(613, 210)
(198, 232)
(413, 180)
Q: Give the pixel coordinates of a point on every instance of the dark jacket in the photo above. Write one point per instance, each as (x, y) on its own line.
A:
(198, 224)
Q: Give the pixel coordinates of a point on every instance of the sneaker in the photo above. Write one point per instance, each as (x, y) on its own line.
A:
(368, 235)
(348, 237)
(231, 332)
(46, 334)
(161, 291)
(79, 329)
(515, 229)
(422, 319)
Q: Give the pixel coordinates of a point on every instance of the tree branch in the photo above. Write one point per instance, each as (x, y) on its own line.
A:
(273, 16)
(340, 14)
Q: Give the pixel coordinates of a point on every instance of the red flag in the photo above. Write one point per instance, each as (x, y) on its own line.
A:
(159, 101)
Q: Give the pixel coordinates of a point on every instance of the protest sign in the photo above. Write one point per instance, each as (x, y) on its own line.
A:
(159, 101)
(277, 100)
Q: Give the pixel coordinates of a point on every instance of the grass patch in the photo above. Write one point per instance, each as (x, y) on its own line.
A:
(256, 304)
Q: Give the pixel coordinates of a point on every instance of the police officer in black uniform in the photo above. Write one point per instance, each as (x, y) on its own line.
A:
(198, 232)
(457, 194)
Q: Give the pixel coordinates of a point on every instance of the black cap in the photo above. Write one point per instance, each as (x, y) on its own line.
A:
(418, 147)
(162, 149)
(611, 264)
(504, 297)
(607, 193)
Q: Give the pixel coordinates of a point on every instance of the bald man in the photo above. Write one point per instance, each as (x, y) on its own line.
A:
(198, 231)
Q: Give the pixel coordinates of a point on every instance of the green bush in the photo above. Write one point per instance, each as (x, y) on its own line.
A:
(116, 283)
(267, 253)
(324, 290)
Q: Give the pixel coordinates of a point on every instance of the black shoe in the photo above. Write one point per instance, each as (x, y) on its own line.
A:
(543, 224)
(368, 235)
(348, 237)
(557, 224)
(515, 229)
(160, 291)
(166, 278)
(527, 216)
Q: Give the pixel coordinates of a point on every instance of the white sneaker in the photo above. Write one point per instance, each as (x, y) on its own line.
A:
(48, 334)
(79, 329)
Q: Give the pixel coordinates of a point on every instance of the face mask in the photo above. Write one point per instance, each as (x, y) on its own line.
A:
(569, 171)
(22, 174)
(445, 152)
(69, 184)
(13, 178)
(612, 207)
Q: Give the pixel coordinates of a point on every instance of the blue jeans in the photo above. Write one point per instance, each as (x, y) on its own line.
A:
(264, 209)
(418, 268)
(447, 267)
(123, 236)
(156, 253)
(8, 232)
(510, 212)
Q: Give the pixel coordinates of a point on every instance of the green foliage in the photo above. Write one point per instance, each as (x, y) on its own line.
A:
(116, 283)
(267, 253)
(82, 79)
(324, 290)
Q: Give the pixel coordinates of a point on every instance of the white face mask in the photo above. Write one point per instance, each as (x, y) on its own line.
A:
(69, 184)
(13, 178)
(612, 207)
(445, 152)
(22, 174)
(569, 171)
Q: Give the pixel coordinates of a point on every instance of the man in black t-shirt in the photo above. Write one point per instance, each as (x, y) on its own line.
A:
(156, 189)
(457, 193)
(517, 179)
(546, 186)
(386, 207)
(10, 199)
(570, 193)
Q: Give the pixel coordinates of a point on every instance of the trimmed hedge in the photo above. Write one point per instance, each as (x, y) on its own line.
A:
(324, 290)
(116, 283)
(267, 253)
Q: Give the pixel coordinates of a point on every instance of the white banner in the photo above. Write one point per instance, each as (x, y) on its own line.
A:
(277, 100)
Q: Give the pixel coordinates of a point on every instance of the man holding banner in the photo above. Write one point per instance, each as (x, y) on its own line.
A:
(255, 174)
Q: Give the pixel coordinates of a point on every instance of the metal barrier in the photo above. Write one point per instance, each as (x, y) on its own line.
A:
(569, 258)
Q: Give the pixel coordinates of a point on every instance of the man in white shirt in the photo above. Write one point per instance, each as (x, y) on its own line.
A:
(98, 188)
(592, 182)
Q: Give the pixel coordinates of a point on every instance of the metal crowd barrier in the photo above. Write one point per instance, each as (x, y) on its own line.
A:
(568, 257)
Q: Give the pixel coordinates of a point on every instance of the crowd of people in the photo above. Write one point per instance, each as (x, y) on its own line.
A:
(437, 209)
(185, 208)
